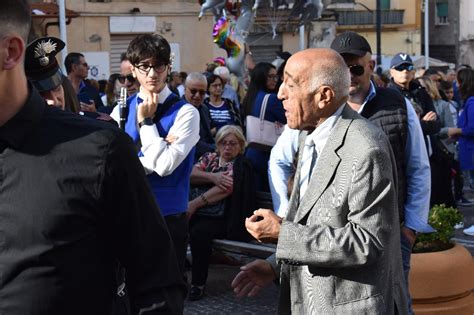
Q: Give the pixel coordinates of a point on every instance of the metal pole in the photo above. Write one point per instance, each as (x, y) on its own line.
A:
(427, 36)
(62, 29)
(302, 37)
(379, 37)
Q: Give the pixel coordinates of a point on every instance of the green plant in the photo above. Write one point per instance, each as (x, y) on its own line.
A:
(442, 219)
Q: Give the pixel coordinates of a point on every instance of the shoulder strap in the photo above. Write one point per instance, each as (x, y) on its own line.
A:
(264, 106)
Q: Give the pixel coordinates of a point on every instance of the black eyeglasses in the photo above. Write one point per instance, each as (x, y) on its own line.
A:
(146, 68)
(194, 91)
(356, 70)
(404, 66)
(127, 77)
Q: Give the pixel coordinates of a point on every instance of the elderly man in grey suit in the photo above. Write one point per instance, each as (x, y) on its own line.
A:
(338, 248)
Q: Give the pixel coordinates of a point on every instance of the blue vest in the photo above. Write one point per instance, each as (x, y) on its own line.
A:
(172, 191)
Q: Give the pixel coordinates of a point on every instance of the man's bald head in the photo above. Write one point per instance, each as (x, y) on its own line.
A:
(322, 66)
(316, 82)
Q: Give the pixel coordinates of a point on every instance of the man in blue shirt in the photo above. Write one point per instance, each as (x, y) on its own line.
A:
(412, 159)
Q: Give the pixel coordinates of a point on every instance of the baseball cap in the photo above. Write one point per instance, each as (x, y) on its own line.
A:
(399, 59)
(351, 43)
(41, 66)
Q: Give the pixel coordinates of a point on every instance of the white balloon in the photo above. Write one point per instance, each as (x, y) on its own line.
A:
(217, 7)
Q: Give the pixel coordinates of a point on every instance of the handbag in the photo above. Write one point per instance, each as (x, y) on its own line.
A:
(262, 134)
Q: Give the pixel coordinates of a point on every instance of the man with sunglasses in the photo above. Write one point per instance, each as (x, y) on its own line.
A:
(397, 118)
(77, 71)
(165, 130)
(403, 75)
(126, 76)
(194, 94)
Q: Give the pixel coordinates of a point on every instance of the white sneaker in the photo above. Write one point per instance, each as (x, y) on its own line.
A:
(469, 230)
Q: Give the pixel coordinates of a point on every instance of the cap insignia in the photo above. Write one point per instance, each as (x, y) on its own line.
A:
(43, 49)
(346, 41)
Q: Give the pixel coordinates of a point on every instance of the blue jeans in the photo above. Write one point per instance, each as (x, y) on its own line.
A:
(406, 254)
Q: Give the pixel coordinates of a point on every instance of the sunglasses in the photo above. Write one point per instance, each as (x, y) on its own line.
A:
(356, 70)
(128, 77)
(194, 91)
(404, 66)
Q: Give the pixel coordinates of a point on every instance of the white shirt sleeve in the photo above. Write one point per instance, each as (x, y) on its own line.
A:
(418, 176)
(280, 169)
(163, 158)
(115, 114)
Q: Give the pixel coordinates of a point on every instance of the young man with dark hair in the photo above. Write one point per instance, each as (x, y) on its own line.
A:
(73, 201)
(126, 76)
(165, 129)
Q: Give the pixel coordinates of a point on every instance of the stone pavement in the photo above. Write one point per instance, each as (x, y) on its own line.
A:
(219, 297)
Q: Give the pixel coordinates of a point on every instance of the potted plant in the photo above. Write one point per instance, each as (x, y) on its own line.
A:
(442, 272)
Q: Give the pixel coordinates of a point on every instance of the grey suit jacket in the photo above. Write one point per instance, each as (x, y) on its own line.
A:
(339, 246)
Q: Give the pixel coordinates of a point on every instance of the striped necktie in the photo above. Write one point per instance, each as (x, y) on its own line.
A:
(308, 161)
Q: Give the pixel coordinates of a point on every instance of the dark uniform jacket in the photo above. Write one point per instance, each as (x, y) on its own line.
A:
(74, 201)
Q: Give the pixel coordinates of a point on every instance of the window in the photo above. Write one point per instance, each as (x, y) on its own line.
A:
(441, 13)
(385, 4)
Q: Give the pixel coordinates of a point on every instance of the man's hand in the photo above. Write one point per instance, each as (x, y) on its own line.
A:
(410, 235)
(223, 180)
(430, 116)
(88, 107)
(252, 277)
(264, 225)
(170, 139)
(147, 108)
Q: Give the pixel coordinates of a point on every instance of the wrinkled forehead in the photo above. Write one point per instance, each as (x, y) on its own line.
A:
(196, 84)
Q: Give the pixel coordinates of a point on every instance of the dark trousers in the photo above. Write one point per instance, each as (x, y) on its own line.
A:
(441, 191)
(458, 180)
(202, 230)
(178, 228)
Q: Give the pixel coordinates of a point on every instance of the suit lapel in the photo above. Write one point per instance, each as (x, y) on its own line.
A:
(326, 165)
(295, 194)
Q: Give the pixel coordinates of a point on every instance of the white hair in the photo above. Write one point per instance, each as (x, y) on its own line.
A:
(195, 76)
(222, 72)
(336, 75)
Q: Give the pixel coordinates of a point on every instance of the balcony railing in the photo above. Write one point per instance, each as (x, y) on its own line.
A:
(369, 18)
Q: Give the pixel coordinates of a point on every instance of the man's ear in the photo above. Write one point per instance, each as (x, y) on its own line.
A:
(372, 65)
(325, 96)
(14, 48)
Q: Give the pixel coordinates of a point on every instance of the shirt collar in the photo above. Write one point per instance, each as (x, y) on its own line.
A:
(369, 97)
(18, 128)
(162, 96)
(321, 134)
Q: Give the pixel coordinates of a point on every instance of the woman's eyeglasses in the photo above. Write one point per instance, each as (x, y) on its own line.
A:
(228, 143)
(273, 77)
(356, 70)
(146, 68)
(128, 77)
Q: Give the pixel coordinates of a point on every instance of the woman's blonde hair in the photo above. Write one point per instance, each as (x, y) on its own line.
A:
(430, 87)
(234, 130)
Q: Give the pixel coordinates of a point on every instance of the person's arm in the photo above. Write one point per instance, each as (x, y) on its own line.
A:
(221, 179)
(163, 157)
(446, 119)
(133, 224)
(210, 197)
(429, 126)
(418, 176)
(468, 129)
(280, 168)
(370, 219)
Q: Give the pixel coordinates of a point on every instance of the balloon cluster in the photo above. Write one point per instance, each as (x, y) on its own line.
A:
(231, 28)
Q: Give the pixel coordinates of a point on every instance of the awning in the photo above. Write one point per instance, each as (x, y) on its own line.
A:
(419, 62)
(49, 10)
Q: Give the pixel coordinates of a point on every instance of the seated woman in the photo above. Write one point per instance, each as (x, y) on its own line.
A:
(222, 196)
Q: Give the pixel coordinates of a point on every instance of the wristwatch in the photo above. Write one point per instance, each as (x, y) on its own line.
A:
(146, 122)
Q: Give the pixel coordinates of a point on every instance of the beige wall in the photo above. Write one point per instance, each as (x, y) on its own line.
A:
(395, 42)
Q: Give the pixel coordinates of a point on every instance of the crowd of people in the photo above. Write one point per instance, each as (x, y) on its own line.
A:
(362, 158)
